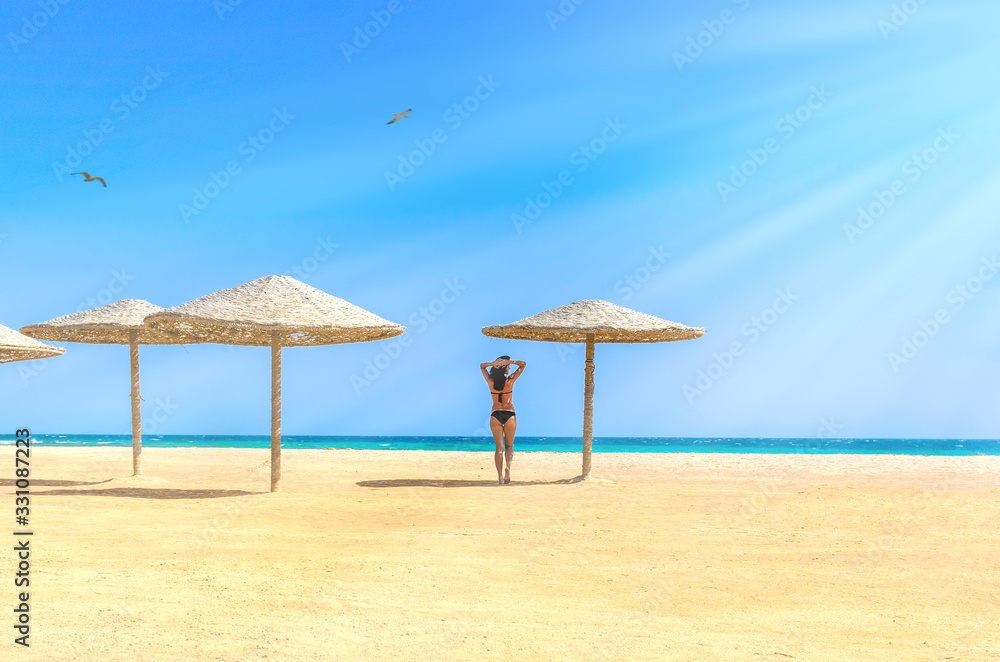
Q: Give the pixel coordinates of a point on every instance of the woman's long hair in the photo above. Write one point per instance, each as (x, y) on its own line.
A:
(499, 376)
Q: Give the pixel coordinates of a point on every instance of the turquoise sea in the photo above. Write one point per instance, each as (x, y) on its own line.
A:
(558, 444)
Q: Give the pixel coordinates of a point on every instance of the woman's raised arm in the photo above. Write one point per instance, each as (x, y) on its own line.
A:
(520, 368)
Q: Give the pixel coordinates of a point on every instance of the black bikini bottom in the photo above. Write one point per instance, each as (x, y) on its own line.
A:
(503, 416)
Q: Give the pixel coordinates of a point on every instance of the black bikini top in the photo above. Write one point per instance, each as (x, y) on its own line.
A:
(500, 386)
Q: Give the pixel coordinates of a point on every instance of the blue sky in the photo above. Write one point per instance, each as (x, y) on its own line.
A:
(634, 118)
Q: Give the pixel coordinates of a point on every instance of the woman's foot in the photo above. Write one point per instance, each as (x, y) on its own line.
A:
(506, 475)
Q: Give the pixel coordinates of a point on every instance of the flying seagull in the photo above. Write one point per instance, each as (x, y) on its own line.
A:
(89, 178)
(399, 116)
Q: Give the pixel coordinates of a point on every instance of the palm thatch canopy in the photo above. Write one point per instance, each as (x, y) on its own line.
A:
(269, 309)
(275, 312)
(15, 346)
(596, 321)
(593, 322)
(108, 325)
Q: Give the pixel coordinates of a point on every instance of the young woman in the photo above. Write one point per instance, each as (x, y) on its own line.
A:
(502, 421)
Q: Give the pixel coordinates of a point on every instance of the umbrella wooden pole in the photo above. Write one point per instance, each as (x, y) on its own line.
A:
(275, 413)
(588, 406)
(133, 350)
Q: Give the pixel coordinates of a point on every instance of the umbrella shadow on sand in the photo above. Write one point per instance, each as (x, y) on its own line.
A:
(430, 482)
(9, 482)
(150, 493)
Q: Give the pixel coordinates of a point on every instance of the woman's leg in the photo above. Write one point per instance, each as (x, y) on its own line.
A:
(508, 433)
(497, 430)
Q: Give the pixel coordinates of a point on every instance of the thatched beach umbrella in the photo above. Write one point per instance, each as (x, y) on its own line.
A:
(15, 346)
(118, 323)
(592, 322)
(275, 312)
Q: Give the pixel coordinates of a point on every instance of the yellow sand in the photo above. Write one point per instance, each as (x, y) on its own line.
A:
(400, 555)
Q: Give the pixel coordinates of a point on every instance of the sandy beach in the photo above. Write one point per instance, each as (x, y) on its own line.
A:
(419, 555)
